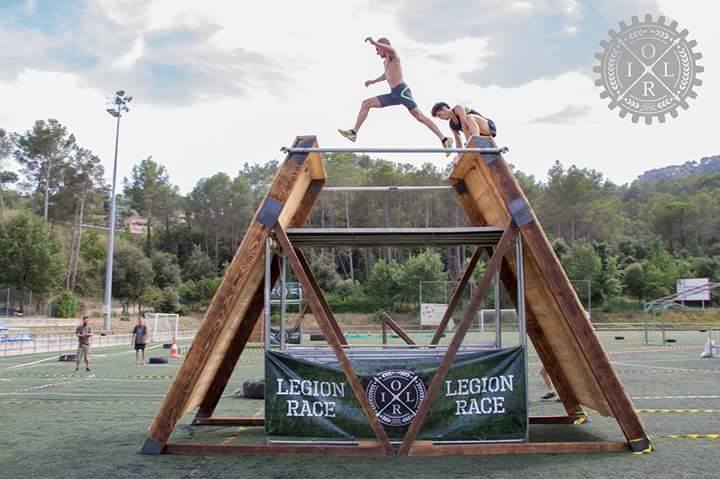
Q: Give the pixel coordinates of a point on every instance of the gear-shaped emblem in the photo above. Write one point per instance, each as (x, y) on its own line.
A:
(648, 69)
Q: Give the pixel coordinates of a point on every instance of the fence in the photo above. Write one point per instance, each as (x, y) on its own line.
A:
(14, 345)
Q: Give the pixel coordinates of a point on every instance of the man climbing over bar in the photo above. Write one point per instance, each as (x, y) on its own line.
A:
(464, 119)
(400, 94)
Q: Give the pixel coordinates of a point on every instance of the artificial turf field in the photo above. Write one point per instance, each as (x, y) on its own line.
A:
(55, 423)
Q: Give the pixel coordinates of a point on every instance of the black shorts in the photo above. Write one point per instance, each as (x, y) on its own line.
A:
(400, 95)
(139, 347)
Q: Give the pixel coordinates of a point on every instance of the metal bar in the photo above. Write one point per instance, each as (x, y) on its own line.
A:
(283, 294)
(325, 322)
(520, 266)
(386, 188)
(460, 332)
(386, 319)
(386, 149)
(498, 311)
(456, 296)
(268, 287)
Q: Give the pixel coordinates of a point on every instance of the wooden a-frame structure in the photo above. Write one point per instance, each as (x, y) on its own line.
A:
(556, 322)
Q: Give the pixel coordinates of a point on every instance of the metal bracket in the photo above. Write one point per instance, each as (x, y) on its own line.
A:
(269, 212)
(460, 187)
(641, 445)
(520, 212)
(152, 447)
(299, 158)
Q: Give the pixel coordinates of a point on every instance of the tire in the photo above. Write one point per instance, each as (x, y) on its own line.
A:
(67, 358)
(158, 360)
(167, 346)
(619, 338)
(317, 337)
(254, 388)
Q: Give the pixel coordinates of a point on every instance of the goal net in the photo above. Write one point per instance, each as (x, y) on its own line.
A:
(162, 326)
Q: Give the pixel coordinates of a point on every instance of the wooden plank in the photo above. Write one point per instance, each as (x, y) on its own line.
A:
(228, 421)
(567, 300)
(429, 449)
(364, 448)
(227, 366)
(386, 319)
(557, 336)
(313, 295)
(456, 295)
(228, 307)
(502, 248)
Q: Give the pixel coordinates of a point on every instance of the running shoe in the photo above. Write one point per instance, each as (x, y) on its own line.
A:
(349, 134)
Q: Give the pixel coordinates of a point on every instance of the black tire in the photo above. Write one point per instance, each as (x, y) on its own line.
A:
(254, 388)
(317, 337)
(167, 346)
(619, 338)
(669, 340)
(158, 360)
(67, 358)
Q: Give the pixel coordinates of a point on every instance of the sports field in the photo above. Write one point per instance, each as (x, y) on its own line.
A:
(57, 423)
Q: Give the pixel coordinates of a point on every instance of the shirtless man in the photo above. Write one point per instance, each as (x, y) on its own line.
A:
(465, 119)
(400, 93)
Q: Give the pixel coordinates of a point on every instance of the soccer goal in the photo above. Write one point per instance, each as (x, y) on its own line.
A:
(162, 326)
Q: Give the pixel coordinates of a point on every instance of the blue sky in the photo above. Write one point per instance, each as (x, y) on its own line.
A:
(217, 84)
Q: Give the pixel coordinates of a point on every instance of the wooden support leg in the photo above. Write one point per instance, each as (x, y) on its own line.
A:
(219, 382)
(456, 296)
(387, 320)
(435, 385)
(325, 322)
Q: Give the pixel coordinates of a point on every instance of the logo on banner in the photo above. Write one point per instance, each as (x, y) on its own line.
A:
(396, 395)
(648, 69)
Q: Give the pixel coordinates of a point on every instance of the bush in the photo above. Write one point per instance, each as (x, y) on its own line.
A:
(170, 301)
(65, 305)
(360, 303)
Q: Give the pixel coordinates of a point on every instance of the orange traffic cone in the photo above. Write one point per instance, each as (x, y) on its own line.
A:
(174, 350)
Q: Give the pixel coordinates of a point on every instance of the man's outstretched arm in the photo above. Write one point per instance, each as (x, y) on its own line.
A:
(381, 46)
(377, 80)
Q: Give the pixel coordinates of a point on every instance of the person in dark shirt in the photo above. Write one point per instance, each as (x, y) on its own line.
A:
(465, 120)
(83, 333)
(139, 336)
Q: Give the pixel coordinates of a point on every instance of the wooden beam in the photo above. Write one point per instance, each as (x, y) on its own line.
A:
(325, 321)
(456, 296)
(502, 248)
(565, 296)
(228, 421)
(509, 281)
(230, 303)
(363, 448)
(386, 319)
(423, 448)
(322, 303)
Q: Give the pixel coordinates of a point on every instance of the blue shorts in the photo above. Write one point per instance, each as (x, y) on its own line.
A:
(400, 95)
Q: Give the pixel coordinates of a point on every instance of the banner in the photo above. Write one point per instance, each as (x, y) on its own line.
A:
(483, 397)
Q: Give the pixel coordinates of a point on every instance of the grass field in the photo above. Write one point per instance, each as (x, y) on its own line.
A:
(57, 423)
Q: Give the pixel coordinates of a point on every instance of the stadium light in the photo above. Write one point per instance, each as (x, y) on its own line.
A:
(116, 109)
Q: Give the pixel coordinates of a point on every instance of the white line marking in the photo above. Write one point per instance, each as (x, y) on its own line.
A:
(643, 366)
(676, 397)
(33, 362)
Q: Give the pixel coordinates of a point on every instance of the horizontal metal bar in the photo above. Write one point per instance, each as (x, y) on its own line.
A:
(385, 188)
(386, 149)
(372, 237)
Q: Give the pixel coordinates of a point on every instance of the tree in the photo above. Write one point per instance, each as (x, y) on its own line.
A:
(40, 152)
(150, 193)
(426, 266)
(634, 281)
(132, 274)
(323, 267)
(210, 202)
(31, 256)
(198, 266)
(83, 181)
(165, 269)
(384, 283)
(6, 177)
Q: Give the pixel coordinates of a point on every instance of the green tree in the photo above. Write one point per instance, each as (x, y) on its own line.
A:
(426, 266)
(198, 266)
(6, 177)
(383, 285)
(323, 267)
(41, 152)
(634, 281)
(31, 256)
(165, 269)
(132, 274)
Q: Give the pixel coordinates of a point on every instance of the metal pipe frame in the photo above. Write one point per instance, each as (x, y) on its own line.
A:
(385, 149)
(268, 287)
(350, 189)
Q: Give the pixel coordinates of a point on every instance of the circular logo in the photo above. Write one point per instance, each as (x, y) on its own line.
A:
(396, 395)
(648, 69)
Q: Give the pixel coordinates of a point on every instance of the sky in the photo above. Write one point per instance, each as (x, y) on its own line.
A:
(220, 83)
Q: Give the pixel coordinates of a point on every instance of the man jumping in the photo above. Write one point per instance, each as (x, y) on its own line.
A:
(400, 93)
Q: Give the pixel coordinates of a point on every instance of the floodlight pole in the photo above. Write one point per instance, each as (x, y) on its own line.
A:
(120, 105)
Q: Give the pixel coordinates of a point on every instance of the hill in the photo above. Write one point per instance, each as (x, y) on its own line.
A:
(707, 165)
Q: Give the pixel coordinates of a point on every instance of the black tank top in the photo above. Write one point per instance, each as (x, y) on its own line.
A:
(457, 125)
